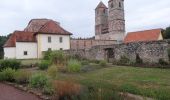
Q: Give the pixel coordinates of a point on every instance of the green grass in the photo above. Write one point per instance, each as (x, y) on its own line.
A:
(150, 82)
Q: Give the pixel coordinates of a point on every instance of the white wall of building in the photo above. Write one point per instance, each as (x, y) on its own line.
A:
(29, 47)
(44, 45)
(9, 52)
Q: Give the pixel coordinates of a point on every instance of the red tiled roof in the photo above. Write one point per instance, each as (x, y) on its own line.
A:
(20, 36)
(101, 5)
(53, 27)
(147, 35)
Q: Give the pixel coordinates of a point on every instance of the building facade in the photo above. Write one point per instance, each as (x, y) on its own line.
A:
(39, 36)
(110, 22)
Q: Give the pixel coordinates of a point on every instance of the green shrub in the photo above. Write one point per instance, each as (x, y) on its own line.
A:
(124, 60)
(22, 77)
(10, 63)
(163, 62)
(2, 77)
(47, 55)
(103, 63)
(39, 80)
(95, 61)
(43, 65)
(74, 65)
(84, 62)
(58, 58)
(48, 89)
(129, 88)
(8, 75)
(52, 71)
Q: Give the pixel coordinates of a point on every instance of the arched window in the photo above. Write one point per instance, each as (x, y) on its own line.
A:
(120, 5)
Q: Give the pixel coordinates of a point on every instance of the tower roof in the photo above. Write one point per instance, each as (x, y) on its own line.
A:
(101, 5)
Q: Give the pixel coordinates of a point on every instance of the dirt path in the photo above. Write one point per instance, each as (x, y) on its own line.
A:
(10, 93)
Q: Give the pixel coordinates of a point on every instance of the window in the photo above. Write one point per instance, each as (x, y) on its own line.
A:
(25, 53)
(61, 48)
(111, 5)
(104, 11)
(49, 39)
(49, 49)
(120, 4)
(61, 39)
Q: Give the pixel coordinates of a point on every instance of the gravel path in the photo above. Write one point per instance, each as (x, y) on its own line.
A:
(10, 93)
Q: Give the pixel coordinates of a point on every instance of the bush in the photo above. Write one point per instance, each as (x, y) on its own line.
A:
(84, 62)
(52, 71)
(41, 81)
(103, 63)
(74, 66)
(47, 55)
(58, 58)
(163, 62)
(22, 77)
(124, 60)
(10, 63)
(7, 75)
(43, 65)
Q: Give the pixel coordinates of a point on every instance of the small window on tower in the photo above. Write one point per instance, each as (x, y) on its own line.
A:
(111, 5)
(120, 4)
(104, 11)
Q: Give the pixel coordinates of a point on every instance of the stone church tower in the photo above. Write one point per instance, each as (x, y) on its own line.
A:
(115, 27)
(101, 20)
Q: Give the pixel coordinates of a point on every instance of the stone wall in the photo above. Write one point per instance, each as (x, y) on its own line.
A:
(149, 52)
(89, 43)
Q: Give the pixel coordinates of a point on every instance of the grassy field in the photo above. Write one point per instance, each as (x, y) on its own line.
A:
(149, 82)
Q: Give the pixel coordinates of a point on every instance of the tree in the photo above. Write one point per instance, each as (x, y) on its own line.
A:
(3, 39)
(166, 33)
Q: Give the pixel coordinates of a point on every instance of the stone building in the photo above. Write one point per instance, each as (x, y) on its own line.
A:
(110, 22)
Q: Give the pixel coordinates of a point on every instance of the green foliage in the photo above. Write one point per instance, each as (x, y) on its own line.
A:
(103, 63)
(52, 71)
(74, 65)
(41, 81)
(58, 58)
(22, 77)
(47, 55)
(10, 63)
(85, 62)
(129, 88)
(166, 33)
(124, 60)
(7, 75)
(163, 62)
(44, 64)
(2, 42)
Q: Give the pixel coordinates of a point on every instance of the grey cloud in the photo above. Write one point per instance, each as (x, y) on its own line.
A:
(77, 16)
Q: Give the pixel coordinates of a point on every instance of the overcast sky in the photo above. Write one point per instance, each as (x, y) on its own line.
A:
(77, 16)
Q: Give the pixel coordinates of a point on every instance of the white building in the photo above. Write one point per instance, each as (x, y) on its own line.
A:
(39, 36)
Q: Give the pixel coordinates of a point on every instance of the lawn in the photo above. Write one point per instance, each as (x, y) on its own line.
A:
(149, 82)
